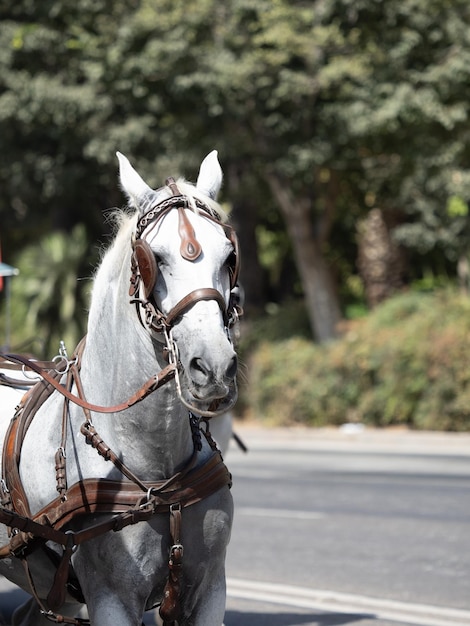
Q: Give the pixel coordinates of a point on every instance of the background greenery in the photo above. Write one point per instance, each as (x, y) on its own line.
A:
(342, 128)
(405, 364)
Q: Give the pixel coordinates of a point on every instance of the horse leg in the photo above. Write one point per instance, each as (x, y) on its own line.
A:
(110, 603)
(209, 607)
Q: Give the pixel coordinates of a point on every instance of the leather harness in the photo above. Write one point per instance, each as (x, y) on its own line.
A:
(130, 500)
(127, 501)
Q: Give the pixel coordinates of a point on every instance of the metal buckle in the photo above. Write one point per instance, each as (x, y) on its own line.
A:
(71, 540)
(174, 548)
(146, 502)
(62, 357)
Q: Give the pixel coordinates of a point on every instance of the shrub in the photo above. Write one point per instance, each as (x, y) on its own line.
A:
(406, 363)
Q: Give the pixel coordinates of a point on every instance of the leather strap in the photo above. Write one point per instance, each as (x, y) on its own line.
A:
(159, 379)
(24, 383)
(190, 248)
(14, 496)
(93, 438)
(205, 293)
(170, 607)
(16, 383)
(6, 364)
(11, 459)
(93, 496)
(58, 591)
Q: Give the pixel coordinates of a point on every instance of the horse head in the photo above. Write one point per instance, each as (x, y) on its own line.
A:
(184, 270)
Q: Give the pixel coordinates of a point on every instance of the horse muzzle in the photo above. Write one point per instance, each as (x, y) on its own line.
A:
(205, 393)
(207, 382)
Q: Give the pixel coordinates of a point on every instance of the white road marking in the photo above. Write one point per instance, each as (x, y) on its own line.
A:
(279, 513)
(333, 601)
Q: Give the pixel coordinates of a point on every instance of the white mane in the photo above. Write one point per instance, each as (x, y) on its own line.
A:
(119, 251)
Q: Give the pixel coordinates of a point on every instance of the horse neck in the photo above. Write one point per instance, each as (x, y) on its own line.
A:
(153, 437)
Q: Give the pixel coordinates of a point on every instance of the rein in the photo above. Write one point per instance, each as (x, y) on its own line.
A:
(154, 383)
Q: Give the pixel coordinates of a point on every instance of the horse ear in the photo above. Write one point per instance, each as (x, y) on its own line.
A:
(132, 183)
(210, 176)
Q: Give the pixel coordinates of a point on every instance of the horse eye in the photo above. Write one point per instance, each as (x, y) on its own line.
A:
(160, 260)
(230, 261)
(231, 264)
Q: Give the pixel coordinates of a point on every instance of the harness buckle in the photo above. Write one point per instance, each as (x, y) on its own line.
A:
(176, 556)
(71, 546)
(27, 374)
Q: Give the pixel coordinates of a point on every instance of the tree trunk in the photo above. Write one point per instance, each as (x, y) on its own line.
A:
(381, 263)
(320, 295)
(243, 217)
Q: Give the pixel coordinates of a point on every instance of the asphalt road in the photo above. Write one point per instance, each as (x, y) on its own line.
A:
(333, 527)
(350, 528)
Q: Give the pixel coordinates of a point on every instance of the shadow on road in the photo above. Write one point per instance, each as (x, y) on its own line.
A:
(242, 618)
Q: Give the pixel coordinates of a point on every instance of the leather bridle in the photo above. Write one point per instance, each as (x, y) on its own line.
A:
(144, 266)
(144, 274)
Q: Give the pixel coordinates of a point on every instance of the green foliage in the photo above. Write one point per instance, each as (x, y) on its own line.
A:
(405, 364)
(350, 104)
(278, 323)
(408, 118)
(50, 296)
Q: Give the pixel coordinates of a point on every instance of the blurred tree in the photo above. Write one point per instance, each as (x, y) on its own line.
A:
(380, 260)
(407, 120)
(243, 76)
(320, 110)
(51, 298)
(51, 104)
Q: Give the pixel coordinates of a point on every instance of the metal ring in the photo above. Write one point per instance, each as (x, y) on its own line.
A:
(147, 500)
(57, 359)
(34, 376)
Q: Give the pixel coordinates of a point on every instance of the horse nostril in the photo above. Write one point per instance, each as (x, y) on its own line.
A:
(202, 373)
(231, 370)
(199, 369)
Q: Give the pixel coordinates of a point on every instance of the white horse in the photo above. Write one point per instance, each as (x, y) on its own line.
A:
(181, 258)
